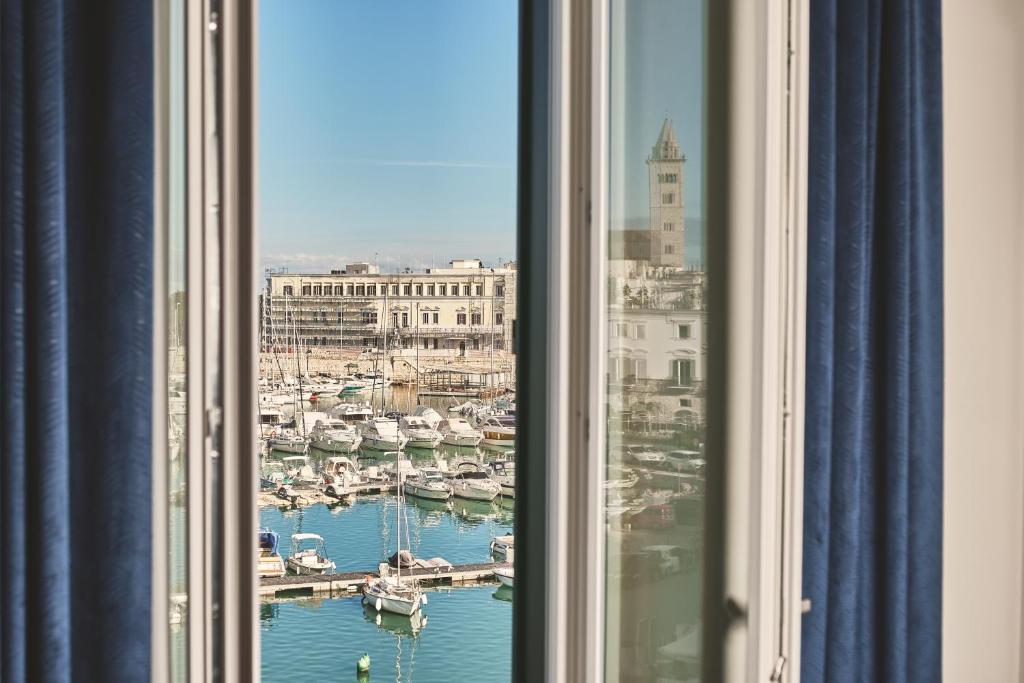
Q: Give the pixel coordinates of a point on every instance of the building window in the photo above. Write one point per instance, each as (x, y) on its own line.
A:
(338, 290)
(407, 290)
(499, 318)
(668, 197)
(419, 290)
(435, 342)
(476, 344)
(288, 290)
(426, 344)
(460, 318)
(499, 344)
(394, 290)
(306, 289)
(477, 318)
(669, 227)
(640, 331)
(368, 317)
(685, 403)
(405, 320)
(360, 290)
(317, 290)
(683, 331)
(339, 317)
(371, 290)
(436, 318)
(444, 290)
(499, 290)
(350, 289)
(621, 330)
(682, 371)
(394, 320)
(426, 318)
(465, 290)
(455, 289)
(430, 290)
(668, 249)
(479, 290)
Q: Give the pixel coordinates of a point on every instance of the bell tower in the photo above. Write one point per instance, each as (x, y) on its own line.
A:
(665, 179)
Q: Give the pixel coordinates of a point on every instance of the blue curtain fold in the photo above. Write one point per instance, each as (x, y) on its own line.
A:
(76, 239)
(873, 457)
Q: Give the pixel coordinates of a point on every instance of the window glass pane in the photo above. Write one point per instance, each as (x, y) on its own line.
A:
(656, 354)
(387, 162)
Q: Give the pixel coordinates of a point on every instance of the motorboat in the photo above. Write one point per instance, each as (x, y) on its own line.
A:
(470, 481)
(272, 474)
(299, 471)
(645, 455)
(270, 417)
(334, 435)
(504, 472)
(269, 562)
(430, 484)
(505, 576)
(400, 470)
(352, 413)
(341, 470)
(498, 430)
(419, 432)
(323, 390)
(374, 379)
(382, 434)
(432, 417)
(456, 431)
(309, 555)
(501, 546)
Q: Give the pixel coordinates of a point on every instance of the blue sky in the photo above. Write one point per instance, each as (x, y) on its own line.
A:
(388, 130)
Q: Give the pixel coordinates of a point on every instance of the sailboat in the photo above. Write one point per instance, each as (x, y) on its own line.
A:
(388, 593)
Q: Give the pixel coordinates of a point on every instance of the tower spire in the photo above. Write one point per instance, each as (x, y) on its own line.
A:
(667, 147)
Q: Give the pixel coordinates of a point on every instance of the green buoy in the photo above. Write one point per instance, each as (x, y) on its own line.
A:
(363, 665)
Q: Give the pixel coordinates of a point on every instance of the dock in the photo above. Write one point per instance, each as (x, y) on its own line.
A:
(348, 583)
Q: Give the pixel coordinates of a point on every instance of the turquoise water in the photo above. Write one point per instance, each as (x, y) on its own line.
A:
(467, 632)
(467, 637)
(361, 535)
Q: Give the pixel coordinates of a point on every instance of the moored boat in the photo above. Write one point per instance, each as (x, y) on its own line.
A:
(456, 431)
(505, 575)
(309, 555)
(268, 562)
(430, 484)
(504, 472)
(470, 481)
(498, 430)
(418, 432)
(382, 434)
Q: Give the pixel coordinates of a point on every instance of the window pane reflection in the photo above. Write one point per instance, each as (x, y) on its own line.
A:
(656, 342)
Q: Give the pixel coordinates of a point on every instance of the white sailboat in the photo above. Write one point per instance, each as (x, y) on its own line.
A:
(389, 593)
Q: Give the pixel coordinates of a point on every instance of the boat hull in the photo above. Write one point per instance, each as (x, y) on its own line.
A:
(309, 570)
(423, 443)
(426, 493)
(460, 490)
(335, 445)
(461, 439)
(287, 446)
(383, 602)
(379, 444)
(505, 576)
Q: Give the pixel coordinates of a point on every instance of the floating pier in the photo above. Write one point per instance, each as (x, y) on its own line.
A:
(348, 583)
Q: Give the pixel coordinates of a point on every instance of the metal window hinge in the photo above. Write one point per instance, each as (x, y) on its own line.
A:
(780, 664)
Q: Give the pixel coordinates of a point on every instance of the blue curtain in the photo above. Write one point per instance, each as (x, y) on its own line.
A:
(76, 217)
(873, 468)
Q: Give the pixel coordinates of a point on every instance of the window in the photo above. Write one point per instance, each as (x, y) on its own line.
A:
(394, 320)
(435, 342)
(476, 344)
(360, 290)
(317, 290)
(419, 290)
(499, 318)
(394, 290)
(682, 371)
(426, 318)
(499, 290)
(435, 316)
(455, 289)
(350, 289)
(621, 330)
(426, 343)
(405, 320)
(430, 290)
(288, 290)
(669, 248)
(683, 331)
(685, 402)
(477, 319)
(368, 317)
(338, 290)
(444, 290)
(479, 290)
(460, 318)
(371, 290)
(307, 290)
(407, 290)
(668, 198)
(669, 227)
(465, 290)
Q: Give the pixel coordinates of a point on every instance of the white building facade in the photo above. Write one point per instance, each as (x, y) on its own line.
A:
(465, 307)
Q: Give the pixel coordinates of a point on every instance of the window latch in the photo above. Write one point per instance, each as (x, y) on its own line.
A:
(780, 664)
